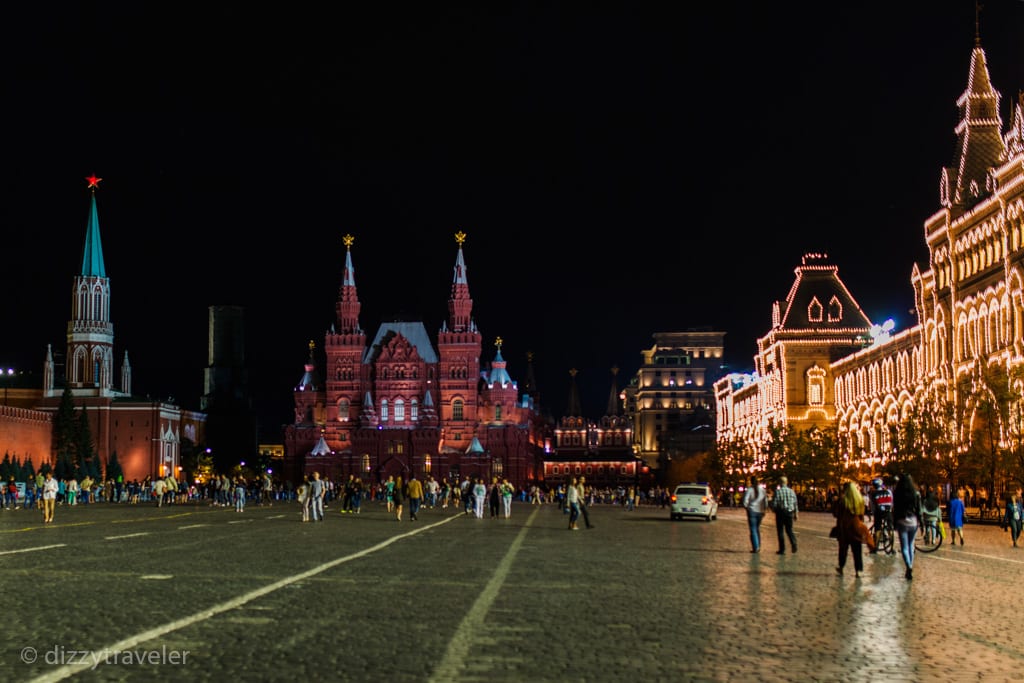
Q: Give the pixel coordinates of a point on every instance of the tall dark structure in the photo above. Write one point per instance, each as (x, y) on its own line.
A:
(231, 427)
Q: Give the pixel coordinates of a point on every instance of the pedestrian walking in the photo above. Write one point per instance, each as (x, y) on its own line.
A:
(572, 499)
(1013, 517)
(389, 493)
(507, 490)
(240, 489)
(851, 531)
(398, 494)
(494, 497)
(357, 495)
(755, 500)
(931, 516)
(415, 492)
(784, 504)
(317, 489)
(50, 487)
(584, 491)
(906, 514)
(957, 517)
(303, 497)
(479, 497)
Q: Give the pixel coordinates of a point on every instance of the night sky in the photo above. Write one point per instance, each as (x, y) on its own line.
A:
(620, 169)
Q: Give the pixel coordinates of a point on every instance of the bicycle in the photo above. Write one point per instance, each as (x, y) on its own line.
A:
(884, 534)
(929, 537)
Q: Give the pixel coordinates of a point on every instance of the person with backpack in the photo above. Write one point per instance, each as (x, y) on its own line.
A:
(879, 507)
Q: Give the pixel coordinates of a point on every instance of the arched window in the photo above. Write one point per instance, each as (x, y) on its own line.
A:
(343, 406)
(457, 406)
(384, 410)
(399, 410)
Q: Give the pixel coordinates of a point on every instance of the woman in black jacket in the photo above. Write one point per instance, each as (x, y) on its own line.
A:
(906, 515)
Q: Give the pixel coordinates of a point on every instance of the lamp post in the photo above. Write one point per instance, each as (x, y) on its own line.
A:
(9, 375)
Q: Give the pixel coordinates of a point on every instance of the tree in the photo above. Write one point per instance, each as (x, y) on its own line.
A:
(65, 428)
(65, 468)
(775, 451)
(87, 460)
(28, 471)
(114, 470)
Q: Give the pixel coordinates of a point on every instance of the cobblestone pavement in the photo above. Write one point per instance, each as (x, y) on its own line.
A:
(203, 593)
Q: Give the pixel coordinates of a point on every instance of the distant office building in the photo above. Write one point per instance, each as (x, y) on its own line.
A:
(670, 400)
(397, 405)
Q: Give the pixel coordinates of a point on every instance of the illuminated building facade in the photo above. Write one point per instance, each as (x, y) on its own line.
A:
(968, 341)
(397, 405)
(969, 338)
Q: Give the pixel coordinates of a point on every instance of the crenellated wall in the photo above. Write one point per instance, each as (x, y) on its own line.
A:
(26, 433)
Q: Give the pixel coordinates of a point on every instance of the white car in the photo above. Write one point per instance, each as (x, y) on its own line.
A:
(693, 500)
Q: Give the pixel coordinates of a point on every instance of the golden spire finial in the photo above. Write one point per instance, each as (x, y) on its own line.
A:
(348, 240)
(498, 342)
(312, 344)
(615, 370)
(460, 237)
(573, 372)
(529, 356)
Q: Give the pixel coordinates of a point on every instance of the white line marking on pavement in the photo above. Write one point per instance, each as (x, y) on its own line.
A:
(114, 538)
(156, 577)
(192, 526)
(458, 648)
(29, 550)
(131, 642)
(943, 559)
(996, 557)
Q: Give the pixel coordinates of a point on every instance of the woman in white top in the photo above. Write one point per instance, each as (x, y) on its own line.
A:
(572, 500)
(479, 498)
(50, 486)
(755, 500)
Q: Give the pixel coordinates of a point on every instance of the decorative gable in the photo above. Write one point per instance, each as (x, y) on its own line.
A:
(818, 280)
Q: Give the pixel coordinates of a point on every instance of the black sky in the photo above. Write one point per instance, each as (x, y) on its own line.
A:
(620, 169)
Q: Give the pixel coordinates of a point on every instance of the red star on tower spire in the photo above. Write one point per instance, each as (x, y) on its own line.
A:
(94, 182)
